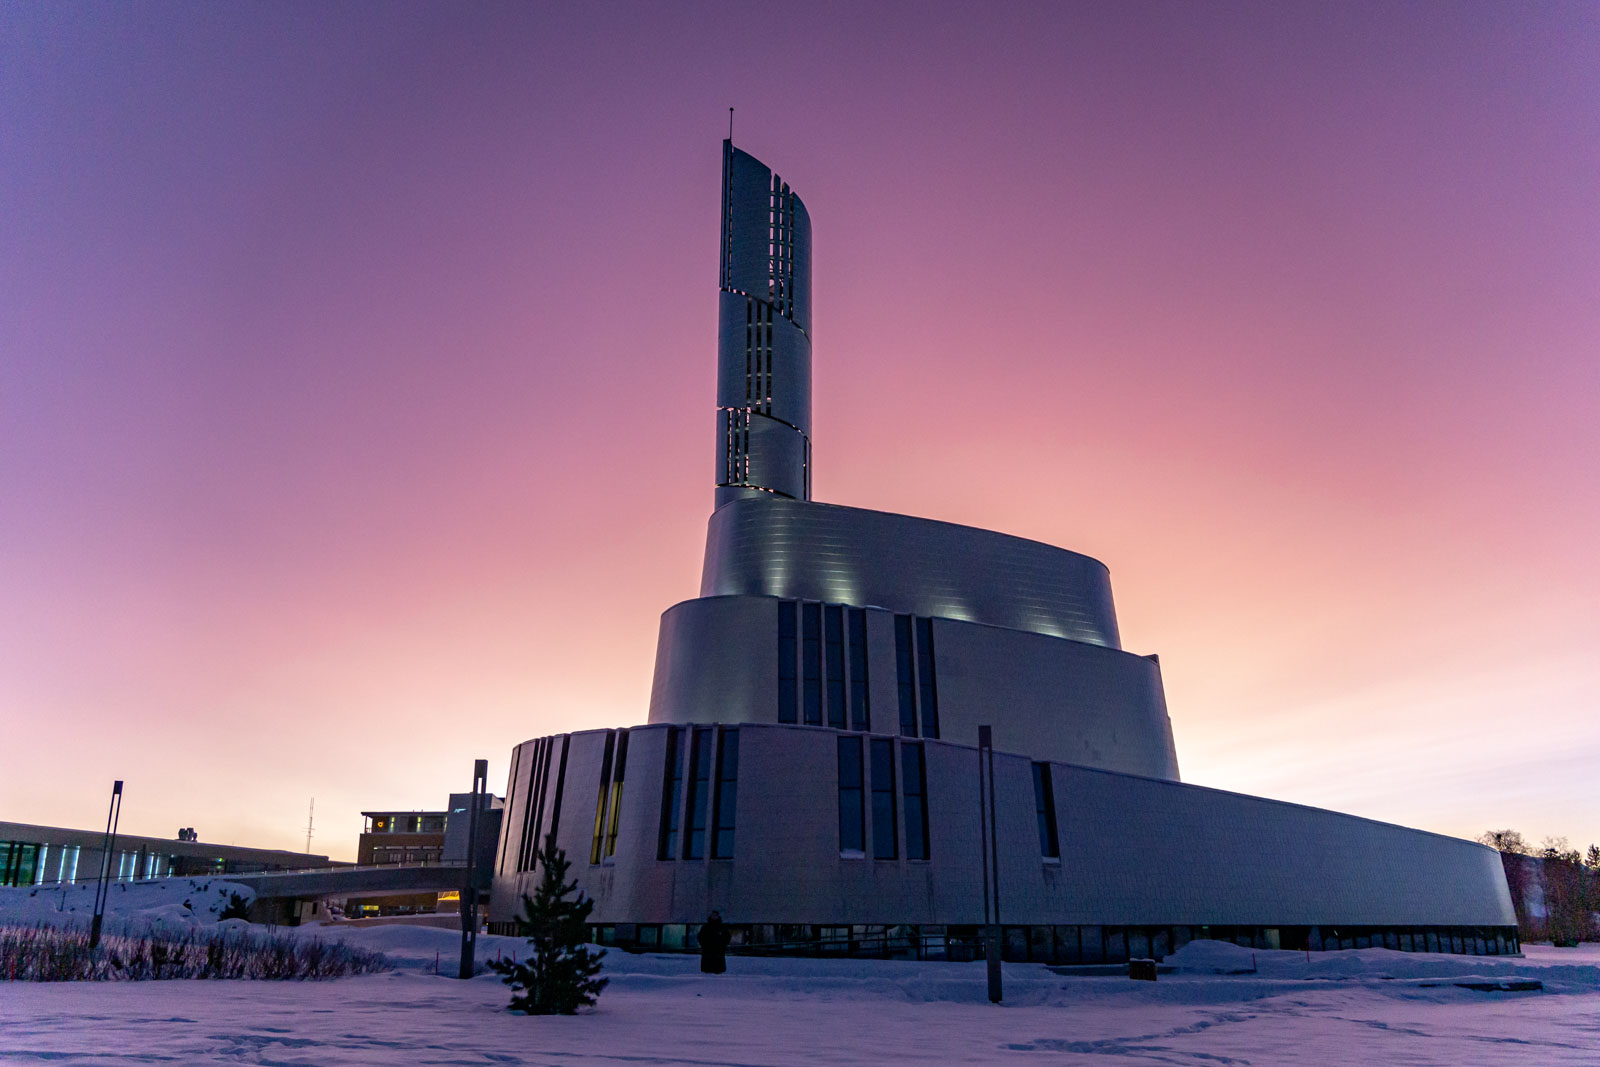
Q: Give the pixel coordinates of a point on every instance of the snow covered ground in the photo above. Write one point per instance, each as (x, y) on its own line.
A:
(1370, 1007)
(170, 901)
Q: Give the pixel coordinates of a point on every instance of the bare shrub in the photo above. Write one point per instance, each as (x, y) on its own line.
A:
(62, 954)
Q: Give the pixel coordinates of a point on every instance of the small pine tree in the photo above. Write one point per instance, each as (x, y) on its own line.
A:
(559, 975)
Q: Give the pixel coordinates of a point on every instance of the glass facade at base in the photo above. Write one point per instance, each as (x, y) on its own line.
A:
(1055, 945)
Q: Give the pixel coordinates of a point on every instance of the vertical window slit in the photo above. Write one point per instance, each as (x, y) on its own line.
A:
(538, 813)
(904, 675)
(834, 637)
(860, 716)
(726, 795)
(561, 787)
(929, 695)
(883, 820)
(811, 646)
(914, 784)
(852, 826)
(671, 796)
(603, 798)
(699, 794)
(787, 701)
(505, 840)
(617, 772)
(1044, 803)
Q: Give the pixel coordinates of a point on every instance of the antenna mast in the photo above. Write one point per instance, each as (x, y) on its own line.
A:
(730, 125)
(310, 814)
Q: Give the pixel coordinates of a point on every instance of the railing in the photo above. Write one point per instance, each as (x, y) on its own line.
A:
(225, 876)
(342, 868)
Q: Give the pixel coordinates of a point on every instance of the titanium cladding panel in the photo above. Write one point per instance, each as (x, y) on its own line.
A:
(810, 551)
(763, 335)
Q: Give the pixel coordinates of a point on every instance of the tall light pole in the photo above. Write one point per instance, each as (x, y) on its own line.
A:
(107, 843)
(469, 884)
(989, 858)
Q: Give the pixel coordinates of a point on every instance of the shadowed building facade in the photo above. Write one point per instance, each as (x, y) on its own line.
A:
(808, 767)
(58, 855)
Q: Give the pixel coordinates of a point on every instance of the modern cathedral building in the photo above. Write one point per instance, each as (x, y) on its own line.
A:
(809, 767)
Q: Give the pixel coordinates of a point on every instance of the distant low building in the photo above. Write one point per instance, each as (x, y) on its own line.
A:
(53, 855)
(401, 837)
(418, 838)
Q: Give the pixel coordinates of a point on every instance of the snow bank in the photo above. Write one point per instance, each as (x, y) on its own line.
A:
(1579, 972)
(1208, 972)
(163, 901)
(659, 1009)
(419, 948)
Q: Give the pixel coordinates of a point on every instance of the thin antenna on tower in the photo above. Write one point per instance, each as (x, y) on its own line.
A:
(730, 125)
(310, 815)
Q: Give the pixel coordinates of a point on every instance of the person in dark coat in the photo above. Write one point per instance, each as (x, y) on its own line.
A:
(714, 938)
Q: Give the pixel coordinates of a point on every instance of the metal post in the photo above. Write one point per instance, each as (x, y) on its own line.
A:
(983, 826)
(107, 843)
(991, 861)
(994, 840)
(469, 884)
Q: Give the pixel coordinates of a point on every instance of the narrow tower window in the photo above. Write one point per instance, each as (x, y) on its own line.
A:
(852, 826)
(618, 769)
(883, 827)
(544, 787)
(699, 794)
(1044, 801)
(561, 788)
(527, 829)
(930, 697)
(786, 660)
(511, 809)
(533, 804)
(914, 783)
(671, 795)
(860, 719)
(834, 632)
(527, 805)
(903, 673)
(727, 794)
(811, 619)
(604, 797)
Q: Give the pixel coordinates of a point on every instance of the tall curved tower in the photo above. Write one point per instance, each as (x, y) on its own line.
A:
(763, 335)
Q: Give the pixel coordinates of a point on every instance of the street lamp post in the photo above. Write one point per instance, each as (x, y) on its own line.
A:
(469, 885)
(102, 887)
(989, 859)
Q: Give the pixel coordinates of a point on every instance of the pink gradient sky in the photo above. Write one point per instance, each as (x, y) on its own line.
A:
(357, 375)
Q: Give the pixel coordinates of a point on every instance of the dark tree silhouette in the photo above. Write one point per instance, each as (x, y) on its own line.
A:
(236, 908)
(1514, 850)
(1566, 896)
(560, 974)
(1505, 841)
(1591, 877)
